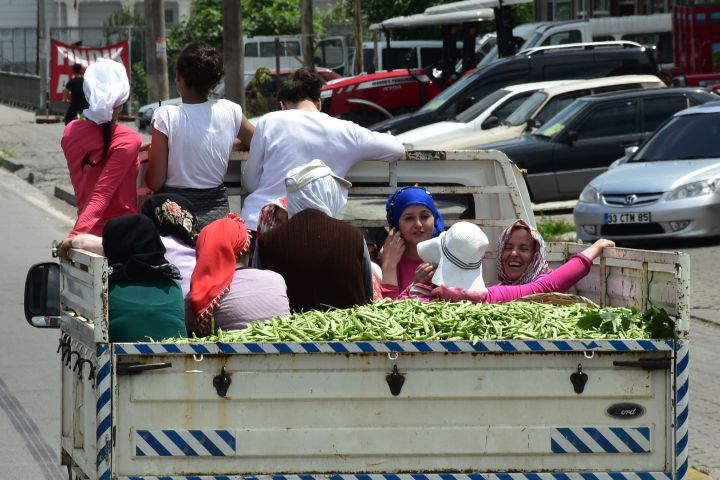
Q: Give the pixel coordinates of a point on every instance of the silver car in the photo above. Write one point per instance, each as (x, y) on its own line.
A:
(669, 188)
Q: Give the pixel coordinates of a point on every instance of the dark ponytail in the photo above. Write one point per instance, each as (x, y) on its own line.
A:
(107, 131)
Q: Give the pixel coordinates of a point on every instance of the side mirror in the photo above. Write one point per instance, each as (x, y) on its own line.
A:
(571, 136)
(466, 103)
(630, 151)
(531, 124)
(490, 122)
(42, 295)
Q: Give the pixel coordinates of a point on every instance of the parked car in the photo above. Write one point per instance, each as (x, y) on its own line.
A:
(669, 188)
(527, 115)
(482, 116)
(583, 139)
(540, 64)
(267, 91)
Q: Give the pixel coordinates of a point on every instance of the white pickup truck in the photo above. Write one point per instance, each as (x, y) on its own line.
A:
(492, 410)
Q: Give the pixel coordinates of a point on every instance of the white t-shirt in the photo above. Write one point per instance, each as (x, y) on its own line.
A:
(200, 137)
(289, 138)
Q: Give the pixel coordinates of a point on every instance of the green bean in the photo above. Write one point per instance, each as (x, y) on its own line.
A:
(413, 320)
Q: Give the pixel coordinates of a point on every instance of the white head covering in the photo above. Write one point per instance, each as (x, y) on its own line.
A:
(458, 253)
(314, 186)
(106, 86)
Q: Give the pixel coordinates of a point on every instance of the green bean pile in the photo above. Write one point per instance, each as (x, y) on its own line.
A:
(413, 320)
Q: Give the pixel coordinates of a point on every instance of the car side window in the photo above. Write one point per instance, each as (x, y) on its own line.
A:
(658, 109)
(557, 103)
(510, 106)
(563, 38)
(480, 89)
(610, 119)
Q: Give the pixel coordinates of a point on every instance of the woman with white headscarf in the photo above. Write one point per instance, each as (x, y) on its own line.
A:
(102, 155)
(324, 260)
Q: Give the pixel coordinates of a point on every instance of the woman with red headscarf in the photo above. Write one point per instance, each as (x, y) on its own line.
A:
(224, 293)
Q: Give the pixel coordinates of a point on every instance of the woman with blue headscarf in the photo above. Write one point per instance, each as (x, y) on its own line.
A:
(413, 218)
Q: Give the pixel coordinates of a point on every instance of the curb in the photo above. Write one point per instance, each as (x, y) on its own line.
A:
(65, 195)
(694, 474)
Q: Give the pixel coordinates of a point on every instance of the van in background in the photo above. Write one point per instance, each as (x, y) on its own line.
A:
(655, 29)
(402, 54)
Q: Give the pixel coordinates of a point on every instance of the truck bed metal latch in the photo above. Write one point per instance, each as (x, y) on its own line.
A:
(395, 381)
(579, 379)
(645, 363)
(222, 382)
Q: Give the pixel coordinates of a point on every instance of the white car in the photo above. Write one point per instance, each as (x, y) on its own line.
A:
(541, 105)
(483, 115)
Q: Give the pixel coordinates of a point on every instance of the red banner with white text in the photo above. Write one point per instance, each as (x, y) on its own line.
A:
(64, 56)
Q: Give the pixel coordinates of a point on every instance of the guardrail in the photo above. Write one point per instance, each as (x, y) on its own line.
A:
(20, 89)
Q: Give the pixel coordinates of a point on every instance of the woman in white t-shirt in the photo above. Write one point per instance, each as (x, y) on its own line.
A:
(299, 133)
(191, 142)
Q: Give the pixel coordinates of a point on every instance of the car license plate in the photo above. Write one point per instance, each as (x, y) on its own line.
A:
(627, 217)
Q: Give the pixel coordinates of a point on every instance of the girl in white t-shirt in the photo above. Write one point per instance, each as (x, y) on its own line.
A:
(191, 142)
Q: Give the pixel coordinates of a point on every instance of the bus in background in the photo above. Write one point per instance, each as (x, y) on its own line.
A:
(330, 52)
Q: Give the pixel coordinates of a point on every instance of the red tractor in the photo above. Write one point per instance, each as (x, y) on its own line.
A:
(369, 98)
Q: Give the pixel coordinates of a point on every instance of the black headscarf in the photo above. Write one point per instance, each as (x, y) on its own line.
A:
(173, 215)
(134, 250)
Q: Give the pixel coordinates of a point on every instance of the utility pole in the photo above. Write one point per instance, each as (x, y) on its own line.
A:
(233, 52)
(306, 30)
(43, 40)
(359, 61)
(156, 48)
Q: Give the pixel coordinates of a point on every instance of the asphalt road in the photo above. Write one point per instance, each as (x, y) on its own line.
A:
(29, 366)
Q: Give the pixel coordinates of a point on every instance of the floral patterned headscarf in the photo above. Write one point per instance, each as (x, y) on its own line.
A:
(538, 265)
(173, 216)
(266, 219)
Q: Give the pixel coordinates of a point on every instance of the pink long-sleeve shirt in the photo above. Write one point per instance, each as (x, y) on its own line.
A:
(109, 189)
(405, 275)
(559, 280)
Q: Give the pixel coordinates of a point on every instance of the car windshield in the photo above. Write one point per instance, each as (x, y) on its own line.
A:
(532, 41)
(472, 113)
(557, 123)
(440, 99)
(683, 138)
(526, 109)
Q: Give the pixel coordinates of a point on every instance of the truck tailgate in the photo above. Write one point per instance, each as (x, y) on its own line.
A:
(328, 408)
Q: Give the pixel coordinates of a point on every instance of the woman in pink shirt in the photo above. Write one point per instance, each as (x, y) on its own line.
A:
(102, 155)
(413, 218)
(458, 255)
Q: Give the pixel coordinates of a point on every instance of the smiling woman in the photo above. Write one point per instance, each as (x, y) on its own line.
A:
(521, 255)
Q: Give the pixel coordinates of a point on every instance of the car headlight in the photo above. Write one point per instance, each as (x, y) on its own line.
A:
(409, 146)
(694, 189)
(589, 195)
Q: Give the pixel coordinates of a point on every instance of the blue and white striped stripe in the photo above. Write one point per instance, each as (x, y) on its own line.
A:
(184, 443)
(682, 408)
(637, 475)
(103, 411)
(600, 440)
(493, 346)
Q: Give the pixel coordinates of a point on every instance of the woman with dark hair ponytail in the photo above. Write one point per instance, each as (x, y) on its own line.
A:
(102, 155)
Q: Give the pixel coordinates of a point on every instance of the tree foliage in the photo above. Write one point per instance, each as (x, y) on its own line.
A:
(259, 17)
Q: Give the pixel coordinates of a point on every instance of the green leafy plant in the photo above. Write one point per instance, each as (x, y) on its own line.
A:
(552, 228)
